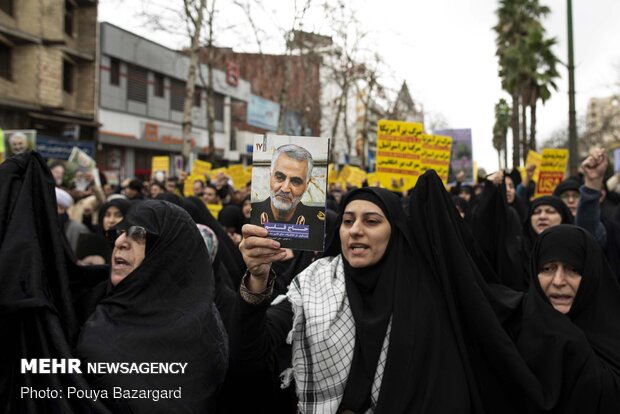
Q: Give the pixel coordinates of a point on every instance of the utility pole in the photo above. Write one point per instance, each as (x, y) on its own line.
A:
(573, 148)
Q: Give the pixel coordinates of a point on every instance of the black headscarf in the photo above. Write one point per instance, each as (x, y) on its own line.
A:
(529, 235)
(163, 311)
(582, 371)
(421, 340)
(232, 217)
(598, 296)
(370, 291)
(497, 229)
(227, 252)
(570, 184)
(37, 318)
(120, 203)
(171, 198)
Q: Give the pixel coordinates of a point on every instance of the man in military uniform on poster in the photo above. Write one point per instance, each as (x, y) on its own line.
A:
(291, 170)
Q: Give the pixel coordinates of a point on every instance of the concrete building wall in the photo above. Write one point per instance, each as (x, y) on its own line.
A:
(50, 77)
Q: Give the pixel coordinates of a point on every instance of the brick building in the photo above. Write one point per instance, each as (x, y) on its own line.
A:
(262, 112)
(48, 71)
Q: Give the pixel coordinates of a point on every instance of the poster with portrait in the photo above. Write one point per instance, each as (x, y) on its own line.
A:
(461, 158)
(17, 141)
(289, 183)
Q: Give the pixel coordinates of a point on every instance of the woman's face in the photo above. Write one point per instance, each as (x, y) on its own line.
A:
(127, 255)
(544, 216)
(560, 282)
(112, 217)
(364, 233)
(510, 190)
(247, 209)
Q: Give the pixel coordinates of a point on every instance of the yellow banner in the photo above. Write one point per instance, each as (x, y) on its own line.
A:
(398, 153)
(354, 176)
(238, 175)
(435, 155)
(532, 158)
(201, 168)
(332, 174)
(160, 164)
(373, 180)
(552, 167)
(213, 173)
(404, 152)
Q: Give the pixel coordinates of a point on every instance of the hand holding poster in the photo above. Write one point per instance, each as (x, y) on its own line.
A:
(86, 166)
(289, 180)
(18, 141)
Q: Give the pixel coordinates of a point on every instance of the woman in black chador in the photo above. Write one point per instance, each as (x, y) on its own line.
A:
(159, 308)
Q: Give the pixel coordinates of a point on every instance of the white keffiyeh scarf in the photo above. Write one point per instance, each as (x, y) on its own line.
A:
(323, 338)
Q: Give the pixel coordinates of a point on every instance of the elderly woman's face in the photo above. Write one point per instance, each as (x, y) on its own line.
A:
(560, 282)
(128, 254)
(543, 217)
(112, 217)
(364, 233)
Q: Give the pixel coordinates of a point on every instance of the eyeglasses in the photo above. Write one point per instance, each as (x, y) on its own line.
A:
(136, 233)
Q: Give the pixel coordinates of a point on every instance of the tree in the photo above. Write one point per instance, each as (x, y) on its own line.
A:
(500, 130)
(516, 20)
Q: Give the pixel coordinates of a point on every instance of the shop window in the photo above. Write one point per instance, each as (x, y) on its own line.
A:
(177, 95)
(159, 85)
(67, 76)
(137, 82)
(7, 6)
(115, 72)
(5, 62)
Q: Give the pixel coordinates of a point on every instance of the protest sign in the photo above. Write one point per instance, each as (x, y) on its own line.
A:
(17, 141)
(398, 153)
(86, 166)
(201, 168)
(288, 198)
(160, 168)
(552, 167)
(461, 157)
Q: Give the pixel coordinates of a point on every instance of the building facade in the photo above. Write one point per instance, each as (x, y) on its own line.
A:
(603, 122)
(141, 105)
(48, 76)
(300, 113)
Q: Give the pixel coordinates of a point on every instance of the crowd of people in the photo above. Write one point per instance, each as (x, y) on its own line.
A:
(480, 299)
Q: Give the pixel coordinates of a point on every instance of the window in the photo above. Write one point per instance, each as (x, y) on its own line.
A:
(5, 62)
(67, 76)
(69, 15)
(137, 82)
(197, 97)
(159, 85)
(115, 72)
(7, 6)
(218, 99)
(177, 95)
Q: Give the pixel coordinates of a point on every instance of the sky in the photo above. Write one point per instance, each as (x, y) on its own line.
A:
(443, 49)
